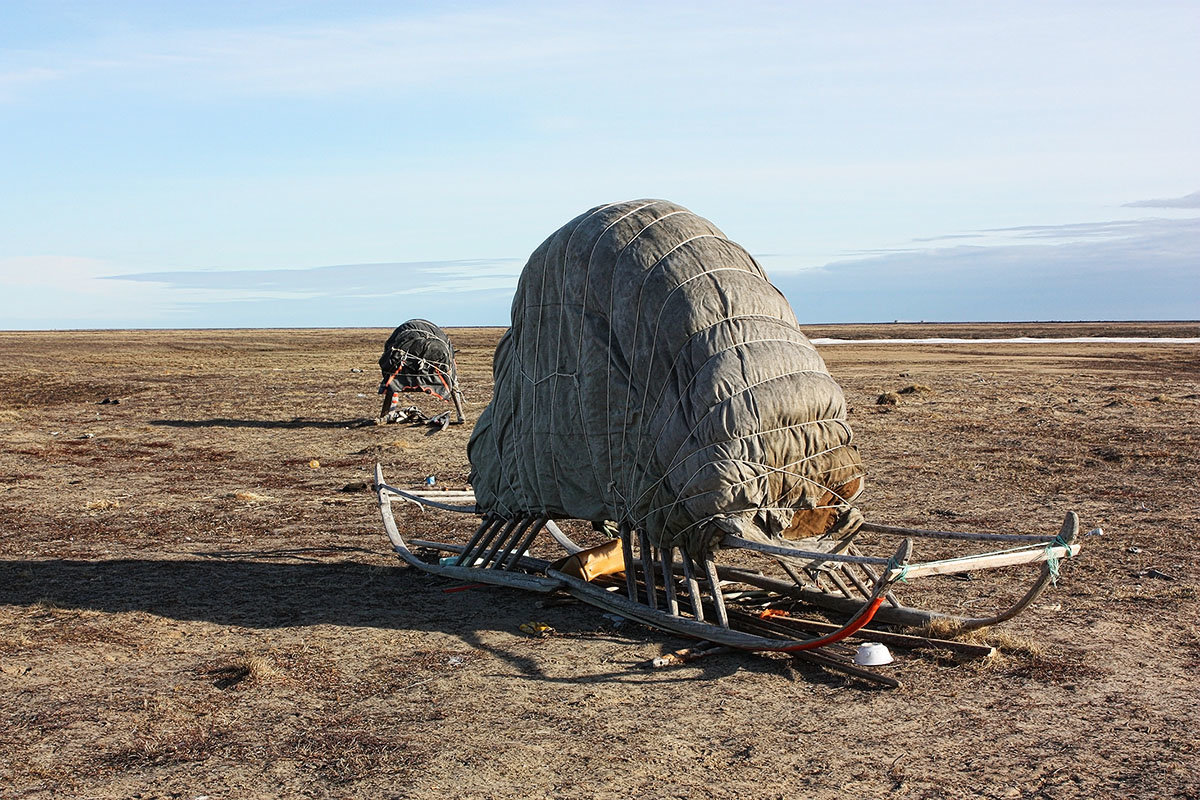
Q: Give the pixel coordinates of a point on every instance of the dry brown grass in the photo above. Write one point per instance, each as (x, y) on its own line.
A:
(251, 497)
(193, 642)
(242, 672)
(103, 504)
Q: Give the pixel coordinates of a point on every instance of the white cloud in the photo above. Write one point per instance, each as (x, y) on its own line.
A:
(51, 271)
(432, 49)
(14, 81)
(1187, 201)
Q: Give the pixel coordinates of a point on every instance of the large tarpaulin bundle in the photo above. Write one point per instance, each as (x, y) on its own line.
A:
(654, 376)
(418, 356)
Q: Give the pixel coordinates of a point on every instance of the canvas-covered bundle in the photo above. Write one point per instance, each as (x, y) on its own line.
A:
(654, 376)
(418, 356)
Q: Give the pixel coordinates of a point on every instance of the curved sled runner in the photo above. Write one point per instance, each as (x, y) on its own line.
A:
(666, 589)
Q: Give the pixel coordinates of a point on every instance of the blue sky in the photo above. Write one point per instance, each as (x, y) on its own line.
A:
(326, 164)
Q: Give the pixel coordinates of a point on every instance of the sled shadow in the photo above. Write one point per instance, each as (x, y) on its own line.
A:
(272, 595)
(296, 422)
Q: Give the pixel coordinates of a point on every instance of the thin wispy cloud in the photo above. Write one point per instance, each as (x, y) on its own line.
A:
(1112, 229)
(1139, 270)
(1103, 270)
(419, 48)
(1187, 201)
(463, 292)
(948, 237)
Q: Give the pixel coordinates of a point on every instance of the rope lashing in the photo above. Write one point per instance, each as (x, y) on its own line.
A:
(1052, 559)
(894, 565)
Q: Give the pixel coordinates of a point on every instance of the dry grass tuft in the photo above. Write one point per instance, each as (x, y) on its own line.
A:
(103, 505)
(249, 670)
(190, 741)
(936, 629)
(1004, 641)
(251, 497)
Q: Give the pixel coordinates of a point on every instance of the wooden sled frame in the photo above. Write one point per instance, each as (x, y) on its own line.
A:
(665, 589)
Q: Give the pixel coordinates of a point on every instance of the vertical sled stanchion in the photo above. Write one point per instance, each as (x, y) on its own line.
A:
(668, 574)
(627, 554)
(714, 587)
(648, 568)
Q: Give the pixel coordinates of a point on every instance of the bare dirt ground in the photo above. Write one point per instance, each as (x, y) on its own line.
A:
(188, 608)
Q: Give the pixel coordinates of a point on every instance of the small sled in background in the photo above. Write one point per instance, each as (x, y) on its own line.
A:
(656, 387)
(419, 357)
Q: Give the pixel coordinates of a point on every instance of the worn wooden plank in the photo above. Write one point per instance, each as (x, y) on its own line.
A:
(689, 574)
(988, 561)
(647, 568)
(981, 537)
(714, 588)
(668, 574)
(626, 532)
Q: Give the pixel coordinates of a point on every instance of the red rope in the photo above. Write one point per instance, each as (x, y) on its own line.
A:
(855, 624)
(425, 389)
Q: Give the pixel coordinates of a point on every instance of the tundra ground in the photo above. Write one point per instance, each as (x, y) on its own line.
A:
(196, 598)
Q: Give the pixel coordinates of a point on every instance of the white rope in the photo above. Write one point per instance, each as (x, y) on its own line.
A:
(638, 316)
(679, 462)
(683, 393)
(718, 403)
(680, 497)
(611, 297)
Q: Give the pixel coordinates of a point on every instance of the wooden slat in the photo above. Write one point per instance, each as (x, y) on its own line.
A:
(486, 534)
(668, 574)
(525, 562)
(987, 561)
(648, 568)
(535, 524)
(689, 574)
(894, 530)
(509, 544)
(630, 566)
(714, 588)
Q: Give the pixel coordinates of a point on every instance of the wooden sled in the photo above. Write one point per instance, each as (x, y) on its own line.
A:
(665, 589)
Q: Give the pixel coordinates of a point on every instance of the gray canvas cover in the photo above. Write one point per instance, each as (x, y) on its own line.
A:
(418, 357)
(653, 375)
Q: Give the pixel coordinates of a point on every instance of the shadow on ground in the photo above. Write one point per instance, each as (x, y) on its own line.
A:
(247, 593)
(296, 422)
(257, 594)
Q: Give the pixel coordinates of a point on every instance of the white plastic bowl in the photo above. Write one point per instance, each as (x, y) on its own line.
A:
(872, 654)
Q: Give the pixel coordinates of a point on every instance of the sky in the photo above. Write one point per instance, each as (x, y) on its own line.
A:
(311, 164)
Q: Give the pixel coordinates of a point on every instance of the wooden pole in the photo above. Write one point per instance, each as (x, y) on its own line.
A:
(689, 575)
(648, 568)
(714, 587)
(668, 574)
(630, 564)
(523, 547)
(484, 526)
